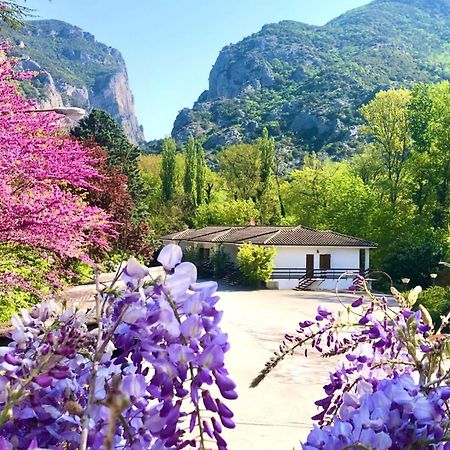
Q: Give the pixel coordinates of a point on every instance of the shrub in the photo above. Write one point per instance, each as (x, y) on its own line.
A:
(256, 263)
(26, 276)
(437, 301)
(80, 272)
(220, 263)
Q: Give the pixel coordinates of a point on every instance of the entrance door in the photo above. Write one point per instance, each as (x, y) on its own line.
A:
(362, 261)
(310, 266)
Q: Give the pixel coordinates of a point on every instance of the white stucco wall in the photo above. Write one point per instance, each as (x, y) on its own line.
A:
(295, 258)
(341, 257)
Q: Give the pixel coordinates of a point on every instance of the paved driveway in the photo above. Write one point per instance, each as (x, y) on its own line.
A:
(276, 414)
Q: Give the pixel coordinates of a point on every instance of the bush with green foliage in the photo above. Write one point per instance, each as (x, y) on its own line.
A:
(220, 263)
(232, 212)
(81, 272)
(436, 300)
(27, 276)
(256, 263)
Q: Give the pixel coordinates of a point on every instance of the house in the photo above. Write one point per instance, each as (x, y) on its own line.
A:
(305, 258)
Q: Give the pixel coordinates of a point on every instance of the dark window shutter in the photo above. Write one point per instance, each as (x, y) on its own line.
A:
(325, 262)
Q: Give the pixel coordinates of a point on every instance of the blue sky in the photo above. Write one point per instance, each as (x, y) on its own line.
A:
(170, 45)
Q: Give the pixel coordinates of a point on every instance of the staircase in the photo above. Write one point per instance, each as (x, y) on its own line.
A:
(304, 283)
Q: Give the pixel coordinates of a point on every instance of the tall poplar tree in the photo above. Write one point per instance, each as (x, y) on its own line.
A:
(190, 173)
(265, 195)
(387, 124)
(168, 169)
(267, 147)
(201, 174)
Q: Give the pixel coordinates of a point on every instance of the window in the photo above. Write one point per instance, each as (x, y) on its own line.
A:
(325, 262)
(203, 253)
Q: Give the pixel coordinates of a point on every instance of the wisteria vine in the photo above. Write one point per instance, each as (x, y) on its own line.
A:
(391, 388)
(149, 375)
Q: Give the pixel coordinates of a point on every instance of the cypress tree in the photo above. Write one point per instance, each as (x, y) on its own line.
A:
(99, 127)
(267, 146)
(201, 174)
(190, 173)
(168, 169)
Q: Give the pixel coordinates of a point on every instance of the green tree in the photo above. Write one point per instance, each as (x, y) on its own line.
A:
(269, 200)
(368, 165)
(190, 172)
(303, 194)
(267, 149)
(387, 123)
(240, 166)
(200, 175)
(168, 170)
(349, 203)
(100, 128)
(430, 125)
(407, 245)
(225, 212)
(329, 196)
(256, 262)
(13, 14)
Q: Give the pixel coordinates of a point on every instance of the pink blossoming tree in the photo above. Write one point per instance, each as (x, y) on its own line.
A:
(43, 177)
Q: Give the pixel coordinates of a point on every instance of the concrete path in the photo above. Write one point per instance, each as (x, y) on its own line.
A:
(276, 414)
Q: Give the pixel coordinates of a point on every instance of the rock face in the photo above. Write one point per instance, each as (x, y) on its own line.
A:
(73, 69)
(306, 83)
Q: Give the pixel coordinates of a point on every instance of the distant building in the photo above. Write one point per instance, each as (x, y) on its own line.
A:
(305, 258)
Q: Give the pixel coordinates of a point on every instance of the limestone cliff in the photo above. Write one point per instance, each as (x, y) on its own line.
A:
(73, 69)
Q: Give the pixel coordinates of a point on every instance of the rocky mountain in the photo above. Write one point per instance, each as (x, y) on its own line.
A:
(73, 69)
(306, 83)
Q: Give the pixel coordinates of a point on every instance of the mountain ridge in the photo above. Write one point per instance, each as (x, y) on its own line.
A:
(306, 83)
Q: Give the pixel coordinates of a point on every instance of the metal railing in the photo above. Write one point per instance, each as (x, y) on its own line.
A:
(295, 273)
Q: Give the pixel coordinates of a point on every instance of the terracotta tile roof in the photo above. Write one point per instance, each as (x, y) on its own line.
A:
(206, 234)
(295, 236)
(247, 234)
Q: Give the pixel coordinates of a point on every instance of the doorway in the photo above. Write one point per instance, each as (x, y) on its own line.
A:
(310, 266)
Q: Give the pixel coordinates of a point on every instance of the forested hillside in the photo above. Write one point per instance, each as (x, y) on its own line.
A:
(306, 83)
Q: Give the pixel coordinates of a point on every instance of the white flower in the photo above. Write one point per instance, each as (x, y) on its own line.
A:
(170, 256)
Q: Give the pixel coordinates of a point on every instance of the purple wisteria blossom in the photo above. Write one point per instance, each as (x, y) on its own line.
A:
(391, 387)
(151, 375)
(385, 414)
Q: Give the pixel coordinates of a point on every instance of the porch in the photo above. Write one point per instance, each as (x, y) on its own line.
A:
(303, 279)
